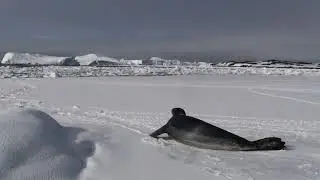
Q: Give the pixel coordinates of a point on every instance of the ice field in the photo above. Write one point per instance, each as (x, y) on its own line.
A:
(97, 127)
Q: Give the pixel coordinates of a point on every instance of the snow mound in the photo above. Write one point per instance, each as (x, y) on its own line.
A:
(36, 146)
(89, 59)
(26, 58)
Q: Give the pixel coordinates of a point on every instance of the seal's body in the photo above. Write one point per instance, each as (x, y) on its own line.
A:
(195, 132)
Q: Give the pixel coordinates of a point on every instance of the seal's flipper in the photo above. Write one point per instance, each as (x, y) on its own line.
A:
(269, 143)
(160, 131)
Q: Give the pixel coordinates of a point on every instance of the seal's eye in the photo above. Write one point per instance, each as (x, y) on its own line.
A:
(178, 111)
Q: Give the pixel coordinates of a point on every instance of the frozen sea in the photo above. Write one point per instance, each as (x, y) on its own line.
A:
(97, 127)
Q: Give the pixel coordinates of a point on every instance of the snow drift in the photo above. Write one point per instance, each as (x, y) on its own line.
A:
(36, 146)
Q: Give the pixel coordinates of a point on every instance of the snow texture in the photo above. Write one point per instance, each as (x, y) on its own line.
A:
(118, 113)
(36, 146)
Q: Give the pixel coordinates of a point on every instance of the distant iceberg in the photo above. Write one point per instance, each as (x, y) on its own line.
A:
(15, 58)
(131, 61)
(34, 59)
(161, 61)
(93, 59)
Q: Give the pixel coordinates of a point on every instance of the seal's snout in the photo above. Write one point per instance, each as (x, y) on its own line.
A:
(177, 111)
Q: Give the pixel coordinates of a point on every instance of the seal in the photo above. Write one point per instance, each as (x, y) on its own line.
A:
(195, 132)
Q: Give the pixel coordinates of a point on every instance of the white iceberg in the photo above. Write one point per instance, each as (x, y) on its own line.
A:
(33, 59)
(90, 59)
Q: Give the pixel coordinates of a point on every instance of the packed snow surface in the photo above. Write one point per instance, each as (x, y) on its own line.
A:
(116, 114)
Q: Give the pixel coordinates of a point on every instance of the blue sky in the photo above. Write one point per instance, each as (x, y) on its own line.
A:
(281, 28)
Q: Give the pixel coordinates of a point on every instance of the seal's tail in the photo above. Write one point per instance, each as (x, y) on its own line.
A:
(269, 143)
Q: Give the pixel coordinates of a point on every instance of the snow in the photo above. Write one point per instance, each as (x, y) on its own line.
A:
(90, 58)
(26, 58)
(33, 144)
(117, 114)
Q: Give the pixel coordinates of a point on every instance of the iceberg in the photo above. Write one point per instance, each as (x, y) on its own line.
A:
(34, 59)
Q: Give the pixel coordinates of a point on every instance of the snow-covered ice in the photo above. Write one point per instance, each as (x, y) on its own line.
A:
(117, 114)
(87, 71)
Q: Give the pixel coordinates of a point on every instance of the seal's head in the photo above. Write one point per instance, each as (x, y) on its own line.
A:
(178, 111)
